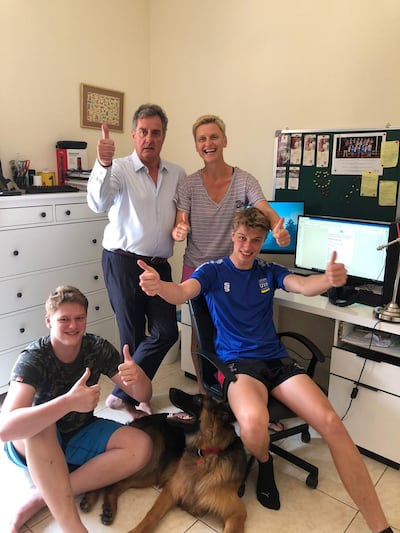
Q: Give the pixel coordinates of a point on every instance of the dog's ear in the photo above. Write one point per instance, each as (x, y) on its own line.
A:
(223, 413)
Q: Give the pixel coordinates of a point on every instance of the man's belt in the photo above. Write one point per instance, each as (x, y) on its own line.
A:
(147, 259)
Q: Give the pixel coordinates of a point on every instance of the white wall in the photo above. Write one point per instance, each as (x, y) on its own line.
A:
(262, 65)
(265, 65)
(48, 48)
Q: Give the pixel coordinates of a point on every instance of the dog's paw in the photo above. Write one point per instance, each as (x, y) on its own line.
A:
(89, 500)
(107, 516)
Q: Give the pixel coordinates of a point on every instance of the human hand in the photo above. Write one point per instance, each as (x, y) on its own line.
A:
(84, 399)
(128, 370)
(105, 147)
(181, 230)
(335, 272)
(281, 234)
(150, 282)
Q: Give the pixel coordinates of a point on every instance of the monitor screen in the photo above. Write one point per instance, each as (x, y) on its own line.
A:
(355, 242)
(290, 211)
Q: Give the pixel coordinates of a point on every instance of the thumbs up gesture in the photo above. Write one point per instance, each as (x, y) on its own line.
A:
(182, 228)
(281, 234)
(82, 398)
(105, 147)
(336, 272)
(128, 370)
(149, 280)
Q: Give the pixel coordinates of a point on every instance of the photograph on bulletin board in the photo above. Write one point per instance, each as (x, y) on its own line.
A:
(357, 152)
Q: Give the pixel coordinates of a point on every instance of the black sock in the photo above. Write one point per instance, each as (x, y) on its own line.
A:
(267, 492)
(387, 530)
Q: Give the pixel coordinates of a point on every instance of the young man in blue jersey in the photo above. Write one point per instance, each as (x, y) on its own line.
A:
(239, 291)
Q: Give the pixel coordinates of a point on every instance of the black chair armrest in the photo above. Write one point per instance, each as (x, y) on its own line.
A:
(208, 373)
(316, 355)
(219, 365)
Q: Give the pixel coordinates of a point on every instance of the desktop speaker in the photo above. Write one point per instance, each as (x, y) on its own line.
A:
(392, 261)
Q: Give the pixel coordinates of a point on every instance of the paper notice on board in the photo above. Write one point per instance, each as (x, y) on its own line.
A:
(309, 150)
(389, 154)
(280, 178)
(322, 151)
(387, 193)
(295, 149)
(369, 184)
(293, 182)
(283, 150)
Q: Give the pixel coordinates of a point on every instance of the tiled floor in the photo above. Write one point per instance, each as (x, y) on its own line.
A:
(327, 509)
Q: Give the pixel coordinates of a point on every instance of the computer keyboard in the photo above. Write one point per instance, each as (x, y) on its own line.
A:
(40, 189)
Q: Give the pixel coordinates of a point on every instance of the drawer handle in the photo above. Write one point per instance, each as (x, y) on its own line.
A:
(96, 277)
(94, 241)
(22, 330)
(15, 252)
(67, 212)
(358, 384)
(19, 294)
(97, 307)
(43, 214)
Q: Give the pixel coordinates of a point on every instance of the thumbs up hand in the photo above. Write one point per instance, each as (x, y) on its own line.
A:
(182, 228)
(281, 234)
(82, 398)
(105, 147)
(149, 279)
(335, 272)
(128, 370)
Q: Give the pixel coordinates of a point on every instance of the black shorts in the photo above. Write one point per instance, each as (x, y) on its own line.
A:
(271, 372)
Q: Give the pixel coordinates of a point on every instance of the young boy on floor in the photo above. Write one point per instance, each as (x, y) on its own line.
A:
(47, 420)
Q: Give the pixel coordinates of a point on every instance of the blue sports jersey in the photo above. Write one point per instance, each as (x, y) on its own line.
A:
(241, 307)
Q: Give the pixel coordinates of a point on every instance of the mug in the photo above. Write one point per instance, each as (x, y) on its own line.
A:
(48, 178)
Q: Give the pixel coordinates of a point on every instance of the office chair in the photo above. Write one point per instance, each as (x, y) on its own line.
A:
(209, 364)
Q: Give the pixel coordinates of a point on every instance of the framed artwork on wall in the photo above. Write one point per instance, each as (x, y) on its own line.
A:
(100, 106)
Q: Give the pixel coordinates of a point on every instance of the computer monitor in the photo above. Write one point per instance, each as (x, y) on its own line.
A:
(355, 241)
(290, 211)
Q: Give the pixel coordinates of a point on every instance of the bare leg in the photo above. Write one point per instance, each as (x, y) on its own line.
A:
(248, 399)
(49, 472)
(128, 450)
(305, 398)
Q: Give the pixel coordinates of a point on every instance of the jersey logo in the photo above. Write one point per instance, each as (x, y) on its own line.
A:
(227, 286)
(263, 284)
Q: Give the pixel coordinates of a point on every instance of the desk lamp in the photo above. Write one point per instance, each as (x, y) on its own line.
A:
(391, 311)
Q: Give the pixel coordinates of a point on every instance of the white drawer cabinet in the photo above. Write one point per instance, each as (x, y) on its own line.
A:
(45, 241)
(49, 246)
(34, 215)
(364, 388)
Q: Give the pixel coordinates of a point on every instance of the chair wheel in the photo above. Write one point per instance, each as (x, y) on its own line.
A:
(305, 436)
(312, 481)
(241, 490)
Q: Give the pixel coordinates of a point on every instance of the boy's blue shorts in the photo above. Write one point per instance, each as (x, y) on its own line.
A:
(88, 442)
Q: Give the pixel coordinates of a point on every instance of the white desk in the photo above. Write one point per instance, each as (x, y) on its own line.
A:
(358, 314)
(373, 417)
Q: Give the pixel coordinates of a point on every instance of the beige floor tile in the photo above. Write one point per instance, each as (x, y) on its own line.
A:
(132, 507)
(388, 488)
(317, 452)
(302, 509)
(201, 527)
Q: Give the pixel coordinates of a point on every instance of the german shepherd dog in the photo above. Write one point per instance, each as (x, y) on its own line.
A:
(197, 459)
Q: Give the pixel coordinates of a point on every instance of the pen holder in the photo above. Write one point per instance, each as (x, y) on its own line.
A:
(20, 181)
